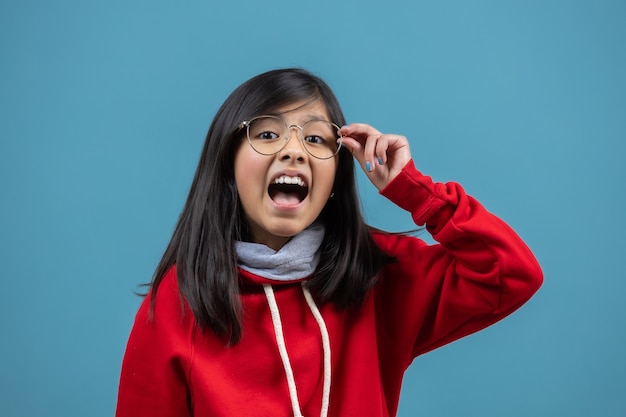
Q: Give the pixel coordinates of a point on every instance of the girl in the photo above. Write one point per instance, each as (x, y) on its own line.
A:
(274, 298)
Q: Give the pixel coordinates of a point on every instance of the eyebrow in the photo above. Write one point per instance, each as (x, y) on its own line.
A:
(307, 117)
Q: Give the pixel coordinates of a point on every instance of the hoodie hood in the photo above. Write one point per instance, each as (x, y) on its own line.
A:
(294, 262)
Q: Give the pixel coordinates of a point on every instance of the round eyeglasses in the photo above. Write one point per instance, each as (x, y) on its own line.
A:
(268, 135)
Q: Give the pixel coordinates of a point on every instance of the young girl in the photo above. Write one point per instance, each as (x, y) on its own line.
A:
(274, 298)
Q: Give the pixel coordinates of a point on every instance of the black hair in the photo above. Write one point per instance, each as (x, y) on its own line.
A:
(202, 247)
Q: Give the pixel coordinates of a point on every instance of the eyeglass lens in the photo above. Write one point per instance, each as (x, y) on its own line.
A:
(268, 135)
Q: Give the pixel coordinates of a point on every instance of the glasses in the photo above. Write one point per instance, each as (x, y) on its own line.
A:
(268, 135)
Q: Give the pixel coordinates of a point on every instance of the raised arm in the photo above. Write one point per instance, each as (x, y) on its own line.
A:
(479, 272)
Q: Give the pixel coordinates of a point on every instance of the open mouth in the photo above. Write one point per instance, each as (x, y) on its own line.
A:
(288, 191)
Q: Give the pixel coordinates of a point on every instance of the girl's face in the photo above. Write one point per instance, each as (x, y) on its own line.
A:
(275, 212)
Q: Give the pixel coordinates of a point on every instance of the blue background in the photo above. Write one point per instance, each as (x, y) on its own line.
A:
(103, 111)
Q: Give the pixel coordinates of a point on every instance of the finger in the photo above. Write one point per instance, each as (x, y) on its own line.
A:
(372, 149)
(357, 148)
(353, 145)
(359, 131)
(369, 153)
(382, 145)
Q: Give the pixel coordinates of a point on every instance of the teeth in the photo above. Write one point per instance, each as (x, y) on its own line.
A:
(289, 180)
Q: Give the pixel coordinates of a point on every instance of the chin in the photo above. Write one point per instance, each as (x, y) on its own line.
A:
(287, 232)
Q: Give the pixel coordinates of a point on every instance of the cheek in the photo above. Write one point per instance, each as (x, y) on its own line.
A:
(250, 172)
(326, 178)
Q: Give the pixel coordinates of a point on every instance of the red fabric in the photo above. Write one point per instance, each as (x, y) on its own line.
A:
(480, 272)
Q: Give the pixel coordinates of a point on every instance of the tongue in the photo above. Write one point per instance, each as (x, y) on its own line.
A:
(287, 199)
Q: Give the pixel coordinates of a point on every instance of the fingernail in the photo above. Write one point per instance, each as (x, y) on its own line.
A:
(380, 160)
(368, 166)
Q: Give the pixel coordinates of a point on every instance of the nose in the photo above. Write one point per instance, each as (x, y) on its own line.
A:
(294, 148)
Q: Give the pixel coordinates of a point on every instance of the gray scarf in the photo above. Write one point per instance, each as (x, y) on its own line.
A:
(296, 260)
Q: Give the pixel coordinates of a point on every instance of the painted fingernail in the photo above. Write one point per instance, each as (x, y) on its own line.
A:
(380, 160)
(368, 166)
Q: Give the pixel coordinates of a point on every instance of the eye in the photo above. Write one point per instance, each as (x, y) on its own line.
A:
(266, 128)
(266, 135)
(318, 140)
(319, 132)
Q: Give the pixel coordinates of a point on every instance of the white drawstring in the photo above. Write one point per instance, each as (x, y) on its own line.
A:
(280, 339)
(282, 349)
(325, 347)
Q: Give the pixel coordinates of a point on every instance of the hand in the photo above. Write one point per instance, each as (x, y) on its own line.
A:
(382, 156)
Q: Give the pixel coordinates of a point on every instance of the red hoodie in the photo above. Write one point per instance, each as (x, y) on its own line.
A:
(478, 273)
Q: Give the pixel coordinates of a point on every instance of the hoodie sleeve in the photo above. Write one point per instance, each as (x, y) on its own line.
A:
(155, 368)
(479, 272)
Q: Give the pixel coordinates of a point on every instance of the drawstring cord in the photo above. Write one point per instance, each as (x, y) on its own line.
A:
(282, 349)
(280, 339)
(325, 347)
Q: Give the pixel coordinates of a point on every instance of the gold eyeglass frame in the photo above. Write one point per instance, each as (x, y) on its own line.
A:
(246, 124)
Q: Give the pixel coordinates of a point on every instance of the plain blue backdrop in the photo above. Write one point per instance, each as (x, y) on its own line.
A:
(103, 111)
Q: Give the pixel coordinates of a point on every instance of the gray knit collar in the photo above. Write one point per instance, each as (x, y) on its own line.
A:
(296, 260)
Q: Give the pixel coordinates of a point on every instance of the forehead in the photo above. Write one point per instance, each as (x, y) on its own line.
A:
(302, 111)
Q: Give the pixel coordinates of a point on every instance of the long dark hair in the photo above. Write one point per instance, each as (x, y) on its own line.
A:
(203, 243)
